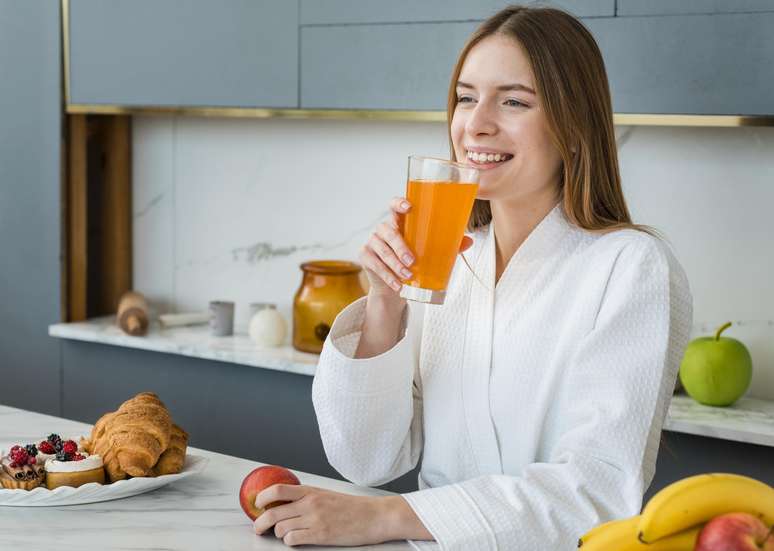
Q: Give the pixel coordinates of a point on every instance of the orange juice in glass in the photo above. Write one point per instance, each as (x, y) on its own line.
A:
(441, 194)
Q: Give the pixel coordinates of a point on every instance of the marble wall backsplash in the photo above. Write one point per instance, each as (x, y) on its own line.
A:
(228, 208)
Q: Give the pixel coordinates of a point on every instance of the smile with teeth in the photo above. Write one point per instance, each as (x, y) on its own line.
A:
(488, 157)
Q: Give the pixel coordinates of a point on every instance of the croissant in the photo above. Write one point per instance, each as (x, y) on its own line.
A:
(138, 439)
(171, 461)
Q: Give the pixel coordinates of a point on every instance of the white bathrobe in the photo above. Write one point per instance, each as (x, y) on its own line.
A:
(536, 404)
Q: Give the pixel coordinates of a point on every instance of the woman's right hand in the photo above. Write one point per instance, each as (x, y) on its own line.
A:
(386, 257)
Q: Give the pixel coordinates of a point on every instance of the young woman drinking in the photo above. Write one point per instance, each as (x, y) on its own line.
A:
(535, 395)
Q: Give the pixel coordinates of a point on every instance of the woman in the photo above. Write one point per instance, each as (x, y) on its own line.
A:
(537, 392)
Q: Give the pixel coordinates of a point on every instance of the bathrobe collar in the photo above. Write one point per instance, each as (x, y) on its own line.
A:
(541, 244)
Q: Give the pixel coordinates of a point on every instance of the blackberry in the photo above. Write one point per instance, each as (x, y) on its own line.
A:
(56, 441)
(62, 456)
(32, 450)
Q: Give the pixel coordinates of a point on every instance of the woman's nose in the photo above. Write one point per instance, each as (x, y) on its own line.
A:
(481, 120)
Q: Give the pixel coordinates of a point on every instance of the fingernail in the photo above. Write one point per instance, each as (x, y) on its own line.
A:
(408, 259)
(404, 205)
(405, 273)
(395, 285)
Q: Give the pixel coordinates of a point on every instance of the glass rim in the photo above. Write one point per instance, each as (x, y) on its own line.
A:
(456, 164)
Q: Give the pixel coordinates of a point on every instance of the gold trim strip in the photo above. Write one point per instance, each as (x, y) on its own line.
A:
(636, 119)
(260, 113)
(619, 119)
(65, 7)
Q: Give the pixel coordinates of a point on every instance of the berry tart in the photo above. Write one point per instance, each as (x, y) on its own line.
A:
(20, 469)
(70, 467)
(48, 448)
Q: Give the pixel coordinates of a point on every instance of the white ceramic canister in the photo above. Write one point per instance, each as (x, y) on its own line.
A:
(267, 327)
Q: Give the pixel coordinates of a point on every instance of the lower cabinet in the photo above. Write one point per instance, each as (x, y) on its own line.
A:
(681, 455)
(259, 414)
(268, 416)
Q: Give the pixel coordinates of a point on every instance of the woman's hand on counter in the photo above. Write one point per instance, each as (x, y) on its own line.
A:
(323, 517)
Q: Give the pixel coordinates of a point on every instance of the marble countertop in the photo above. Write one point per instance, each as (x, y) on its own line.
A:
(194, 341)
(750, 420)
(199, 512)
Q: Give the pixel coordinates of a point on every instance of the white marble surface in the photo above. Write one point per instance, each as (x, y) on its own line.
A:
(748, 420)
(200, 512)
(194, 341)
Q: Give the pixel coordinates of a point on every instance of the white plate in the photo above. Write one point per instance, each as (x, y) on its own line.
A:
(93, 492)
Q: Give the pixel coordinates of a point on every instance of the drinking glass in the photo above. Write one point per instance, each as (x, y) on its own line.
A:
(441, 194)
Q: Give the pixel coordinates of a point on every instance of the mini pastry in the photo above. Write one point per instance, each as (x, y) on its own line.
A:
(20, 469)
(73, 468)
(48, 448)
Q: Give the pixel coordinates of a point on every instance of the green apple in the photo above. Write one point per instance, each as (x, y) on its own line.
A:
(716, 371)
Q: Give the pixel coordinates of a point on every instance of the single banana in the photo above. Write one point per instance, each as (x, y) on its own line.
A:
(697, 499)
(610, 534)
(621, 535)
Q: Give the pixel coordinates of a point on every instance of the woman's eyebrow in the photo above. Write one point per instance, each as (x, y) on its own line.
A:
(502, 88)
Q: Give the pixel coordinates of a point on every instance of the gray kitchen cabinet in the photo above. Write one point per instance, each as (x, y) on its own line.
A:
(686, 64)
(379, 66)
(326, 12)
(268, 415)
(699, 64)
(30, 133)
(231, 53)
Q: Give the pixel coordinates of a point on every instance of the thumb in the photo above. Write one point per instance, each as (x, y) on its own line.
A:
(467, 242)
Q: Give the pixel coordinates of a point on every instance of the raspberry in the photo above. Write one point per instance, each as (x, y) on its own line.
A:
(18, 455)
(69, 447)
(46, 447)
(14, 465)
(31, 460)
(78, 457)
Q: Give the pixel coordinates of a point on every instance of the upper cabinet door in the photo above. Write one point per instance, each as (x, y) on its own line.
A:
(229, 53)
(662, 57)
(708, 64)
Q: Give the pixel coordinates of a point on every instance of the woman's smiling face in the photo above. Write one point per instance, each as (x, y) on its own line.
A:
(498, 115)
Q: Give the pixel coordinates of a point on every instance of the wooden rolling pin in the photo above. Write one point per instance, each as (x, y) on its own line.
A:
(132, 316)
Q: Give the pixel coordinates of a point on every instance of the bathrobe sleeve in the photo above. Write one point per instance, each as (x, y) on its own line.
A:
(612, 403)
(370, 410)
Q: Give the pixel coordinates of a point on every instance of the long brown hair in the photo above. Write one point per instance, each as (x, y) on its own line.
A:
(571, 83)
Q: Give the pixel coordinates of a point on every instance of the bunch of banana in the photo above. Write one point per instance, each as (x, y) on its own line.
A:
(673, 518)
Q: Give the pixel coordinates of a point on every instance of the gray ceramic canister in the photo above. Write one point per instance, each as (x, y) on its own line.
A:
(221, 318)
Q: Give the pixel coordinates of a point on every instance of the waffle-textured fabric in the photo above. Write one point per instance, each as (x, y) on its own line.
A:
(536, 404)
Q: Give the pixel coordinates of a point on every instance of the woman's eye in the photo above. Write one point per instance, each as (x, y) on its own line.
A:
(514, 103)
(464, 99)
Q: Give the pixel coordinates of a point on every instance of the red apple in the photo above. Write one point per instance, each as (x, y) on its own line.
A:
(261, 478)
(735, 532)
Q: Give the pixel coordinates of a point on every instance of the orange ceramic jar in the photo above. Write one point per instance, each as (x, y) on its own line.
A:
(327, 287)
